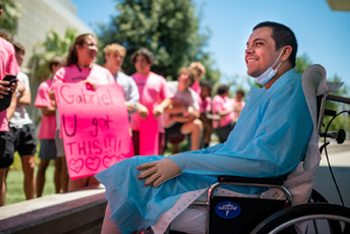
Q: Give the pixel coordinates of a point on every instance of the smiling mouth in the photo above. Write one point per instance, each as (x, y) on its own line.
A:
(251, 60)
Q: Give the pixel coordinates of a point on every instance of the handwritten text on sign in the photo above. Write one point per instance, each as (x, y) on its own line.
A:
(95, 127)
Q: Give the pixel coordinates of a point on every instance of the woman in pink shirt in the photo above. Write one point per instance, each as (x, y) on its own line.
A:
(81, 69)
(47, 133)
(222, 106)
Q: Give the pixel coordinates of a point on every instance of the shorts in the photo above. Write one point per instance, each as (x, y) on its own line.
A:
(47, 149)
(136, 142)
(59, 145)
(174, 130)
(22, 140)
(6, 159)
(224, 131)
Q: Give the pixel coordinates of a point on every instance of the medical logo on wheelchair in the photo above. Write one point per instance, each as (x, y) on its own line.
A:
(227, 209)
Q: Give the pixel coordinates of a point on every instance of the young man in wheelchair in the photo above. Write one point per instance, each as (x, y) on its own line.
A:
(269, 140)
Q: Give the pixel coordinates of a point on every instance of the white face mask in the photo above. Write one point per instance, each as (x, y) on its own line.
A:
(267, 75)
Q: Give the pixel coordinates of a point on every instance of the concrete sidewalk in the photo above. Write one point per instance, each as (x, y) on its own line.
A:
(339, 157)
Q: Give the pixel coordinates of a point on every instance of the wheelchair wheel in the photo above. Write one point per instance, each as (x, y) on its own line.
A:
(329, 218)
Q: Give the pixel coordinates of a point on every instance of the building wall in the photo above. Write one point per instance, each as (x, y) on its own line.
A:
(37, 18)
(40, 16)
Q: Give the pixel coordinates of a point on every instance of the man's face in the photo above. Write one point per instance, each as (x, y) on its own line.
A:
(142, 66)
(115, 60)
(205, 92)
(185, 79)
(19, 57)
(260, 53)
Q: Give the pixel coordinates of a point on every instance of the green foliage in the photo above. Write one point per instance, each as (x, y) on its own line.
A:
(53, 46)
(302, 62)
(11, 12)
(170, 29)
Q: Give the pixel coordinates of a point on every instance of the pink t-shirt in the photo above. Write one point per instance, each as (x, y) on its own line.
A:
(48, 123)
(75, 74)
(8, 65)
(153, 90)
(220, 104)
(237, 109)
(206, 104)
(196, 87)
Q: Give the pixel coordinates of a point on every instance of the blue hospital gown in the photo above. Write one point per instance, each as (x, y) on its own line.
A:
(269, 140)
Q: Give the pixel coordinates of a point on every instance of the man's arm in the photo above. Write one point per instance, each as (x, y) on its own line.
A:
(11, 109)
(158, 110)
(133, 96)
(48, 111)
(24, 98)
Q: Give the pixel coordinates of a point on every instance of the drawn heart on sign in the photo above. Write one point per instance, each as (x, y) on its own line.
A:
(108, 161)
(76, 165)
(92, 163)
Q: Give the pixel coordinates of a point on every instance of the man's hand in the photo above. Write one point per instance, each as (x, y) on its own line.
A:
(143, 111)
(130, 107)
(157, 111)
(191, 112)
(158, 172)
(5, 90)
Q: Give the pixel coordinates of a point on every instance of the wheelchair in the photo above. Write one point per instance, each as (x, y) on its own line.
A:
(263, 215)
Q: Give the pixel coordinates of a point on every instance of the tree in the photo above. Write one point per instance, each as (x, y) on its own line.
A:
(53, 46)
(170, 29)
(11, 12)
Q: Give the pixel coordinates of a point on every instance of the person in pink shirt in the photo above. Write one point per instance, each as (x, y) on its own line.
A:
(155, 97)
(81, 69)
(8, 65)
(47, 132)
(238, 105)
(222, 106)
(199, 71)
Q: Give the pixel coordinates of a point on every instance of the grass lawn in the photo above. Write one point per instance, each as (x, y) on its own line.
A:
(14, 182)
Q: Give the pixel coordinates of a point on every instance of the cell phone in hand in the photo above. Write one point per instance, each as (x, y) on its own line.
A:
(5, 102)
(11, 79)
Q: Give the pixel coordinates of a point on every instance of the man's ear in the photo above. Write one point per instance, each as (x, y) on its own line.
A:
(287, 50)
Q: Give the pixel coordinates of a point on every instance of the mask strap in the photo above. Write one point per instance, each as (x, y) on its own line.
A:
(278, 59)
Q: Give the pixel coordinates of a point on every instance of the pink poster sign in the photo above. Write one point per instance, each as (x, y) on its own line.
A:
(149, 136)
(95, 127)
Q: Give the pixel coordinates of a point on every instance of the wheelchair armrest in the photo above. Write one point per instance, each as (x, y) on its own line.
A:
(250, 180)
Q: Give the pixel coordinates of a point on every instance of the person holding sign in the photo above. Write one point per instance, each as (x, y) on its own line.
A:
(81, 69)
(155, 97)
(114, 55)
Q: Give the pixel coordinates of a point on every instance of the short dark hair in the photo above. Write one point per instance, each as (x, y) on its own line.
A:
(241, 92)
(283, 36)
(206, 83)
(18, 47)
(145, 52)
(223, 89)
(0, 5)
(56, 61)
